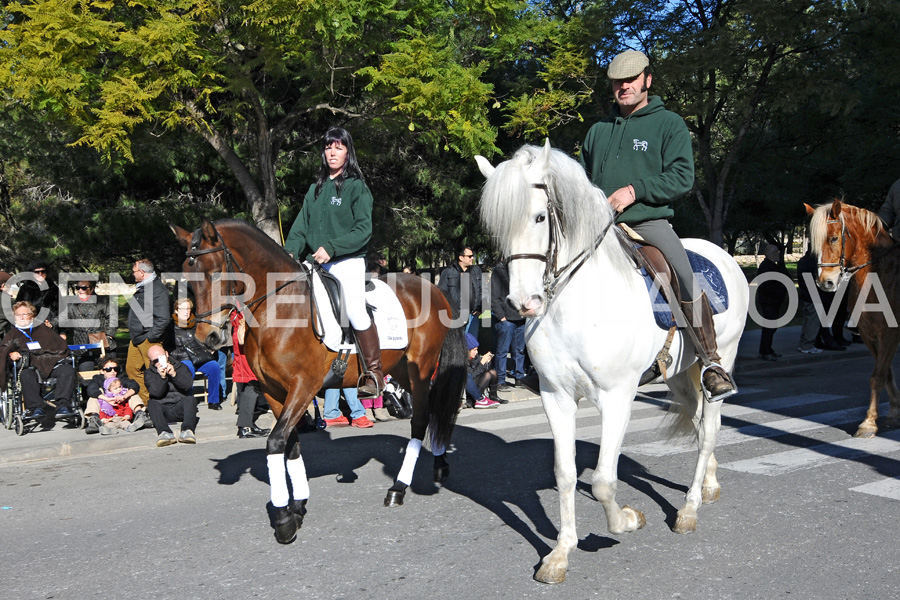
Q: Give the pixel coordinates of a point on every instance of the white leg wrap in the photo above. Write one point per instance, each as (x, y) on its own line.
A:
(300, 484)
(409, 461)
(277, 480)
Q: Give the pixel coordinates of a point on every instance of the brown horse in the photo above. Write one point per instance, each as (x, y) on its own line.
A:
(851, 243)
(232, 265)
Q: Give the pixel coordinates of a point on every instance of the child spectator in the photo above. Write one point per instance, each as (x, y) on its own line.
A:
(480, 377)
(115, 413)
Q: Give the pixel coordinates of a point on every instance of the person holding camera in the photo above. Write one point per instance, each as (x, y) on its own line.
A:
(170, 386)
(479, 377)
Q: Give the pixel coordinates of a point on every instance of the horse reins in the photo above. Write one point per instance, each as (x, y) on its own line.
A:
(230, 263)
(556, 278)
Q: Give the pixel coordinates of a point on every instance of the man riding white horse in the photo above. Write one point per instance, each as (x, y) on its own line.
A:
(641, 180)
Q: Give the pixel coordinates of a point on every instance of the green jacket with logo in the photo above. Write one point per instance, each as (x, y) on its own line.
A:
(651, 150)
(340, 223)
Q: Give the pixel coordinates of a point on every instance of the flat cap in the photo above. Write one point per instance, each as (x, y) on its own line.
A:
(627, 65)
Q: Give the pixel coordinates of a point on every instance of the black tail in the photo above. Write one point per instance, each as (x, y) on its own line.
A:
(447, 388)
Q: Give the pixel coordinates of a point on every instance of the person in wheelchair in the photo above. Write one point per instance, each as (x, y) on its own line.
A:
(44, 354)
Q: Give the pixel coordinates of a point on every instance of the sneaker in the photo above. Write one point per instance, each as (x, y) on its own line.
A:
(486, 403)
(93, 424)
(812, 350)
(382, 414)
(363, 422)
(340, 421)
(107, 430)
(187, 437)
(139, 421)
(166, 438)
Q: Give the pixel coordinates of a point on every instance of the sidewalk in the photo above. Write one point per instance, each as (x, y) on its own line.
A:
(221, 425)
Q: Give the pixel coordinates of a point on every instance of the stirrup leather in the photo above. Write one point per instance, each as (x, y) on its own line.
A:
(722, 396)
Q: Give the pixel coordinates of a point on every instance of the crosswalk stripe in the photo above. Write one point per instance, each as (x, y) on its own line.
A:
(750, 433)
(886, 488)
(803, 458)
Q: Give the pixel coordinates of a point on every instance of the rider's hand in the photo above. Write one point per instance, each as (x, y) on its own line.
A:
(321, 256)
(622, 198)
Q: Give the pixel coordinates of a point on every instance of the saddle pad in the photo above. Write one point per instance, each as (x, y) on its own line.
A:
(388, 316)
(710, 281)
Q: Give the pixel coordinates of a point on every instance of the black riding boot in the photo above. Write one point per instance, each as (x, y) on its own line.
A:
(715, 380)
(371, 355)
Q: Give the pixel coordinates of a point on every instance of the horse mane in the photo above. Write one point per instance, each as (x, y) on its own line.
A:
(866, 221)
(583, 210)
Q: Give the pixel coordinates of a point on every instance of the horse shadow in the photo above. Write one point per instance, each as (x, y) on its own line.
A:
(506, 478)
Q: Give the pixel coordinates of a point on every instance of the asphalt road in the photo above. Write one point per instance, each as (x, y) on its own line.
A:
(807, 512)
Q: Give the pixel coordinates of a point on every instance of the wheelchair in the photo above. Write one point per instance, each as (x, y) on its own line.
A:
(12, 407)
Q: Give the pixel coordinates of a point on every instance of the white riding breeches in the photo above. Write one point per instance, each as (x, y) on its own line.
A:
(351, 272)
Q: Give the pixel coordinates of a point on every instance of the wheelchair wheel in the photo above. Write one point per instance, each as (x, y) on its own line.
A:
(79, 421)
(20, 425)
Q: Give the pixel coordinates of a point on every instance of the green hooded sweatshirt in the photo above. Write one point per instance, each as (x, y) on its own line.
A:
(340, 223)
(651, 150)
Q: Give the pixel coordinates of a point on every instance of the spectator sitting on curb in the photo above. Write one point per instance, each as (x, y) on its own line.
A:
(480, 376)
(170, 386)
(95, 386)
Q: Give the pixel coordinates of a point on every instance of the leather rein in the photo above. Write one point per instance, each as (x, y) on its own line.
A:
(555, 278)
(230, 264)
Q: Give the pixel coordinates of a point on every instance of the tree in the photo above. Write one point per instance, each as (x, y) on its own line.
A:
(251, 78)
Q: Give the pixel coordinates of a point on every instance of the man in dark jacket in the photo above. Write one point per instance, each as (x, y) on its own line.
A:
(641, 157)
(461, 284)
(769, 297)
(149, 320)
(170, 385)
(509, 326)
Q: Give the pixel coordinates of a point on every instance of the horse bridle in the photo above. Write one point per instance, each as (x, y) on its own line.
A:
(555, 278)
(847, 272)
(230, 262)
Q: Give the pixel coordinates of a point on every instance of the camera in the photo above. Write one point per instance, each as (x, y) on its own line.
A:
(161, 361)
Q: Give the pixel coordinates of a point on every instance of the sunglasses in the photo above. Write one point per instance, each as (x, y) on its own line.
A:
(82, 287)
(108, 369)
(40, 271)
(468, 256)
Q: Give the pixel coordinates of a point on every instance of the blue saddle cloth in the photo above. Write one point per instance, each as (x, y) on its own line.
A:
(710, 281)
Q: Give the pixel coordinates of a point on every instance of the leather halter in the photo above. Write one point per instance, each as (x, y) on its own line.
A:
(556, 278)
(230, 263)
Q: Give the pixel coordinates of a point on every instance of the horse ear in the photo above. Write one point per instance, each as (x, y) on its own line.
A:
(486, 168)
(184, 237)
(543, 161)
(209, 231)
(809, 209)
(836, 208)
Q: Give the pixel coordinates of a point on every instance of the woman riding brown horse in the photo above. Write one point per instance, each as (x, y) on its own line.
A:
(232, 265)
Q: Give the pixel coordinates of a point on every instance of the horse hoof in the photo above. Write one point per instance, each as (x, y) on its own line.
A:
(298, 508)
(708, 495)
(685, 524)
(441, 473)
(551, 573)
(394, 498)
(640, 520)
(865, 432)
(285, 525)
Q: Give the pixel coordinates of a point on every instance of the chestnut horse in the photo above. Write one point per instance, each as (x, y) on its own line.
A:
(852, 244)
(232, 265)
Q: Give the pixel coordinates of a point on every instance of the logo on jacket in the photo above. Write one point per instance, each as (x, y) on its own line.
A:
(640, 145)
(337, 201)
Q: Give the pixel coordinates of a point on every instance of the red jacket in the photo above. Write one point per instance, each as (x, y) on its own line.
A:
(240, 369)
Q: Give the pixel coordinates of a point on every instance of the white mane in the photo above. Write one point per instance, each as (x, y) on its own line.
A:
(583, 209)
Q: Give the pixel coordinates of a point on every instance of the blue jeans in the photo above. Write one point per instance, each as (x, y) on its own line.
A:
(332, 397)
(510, 340)
(213, 377)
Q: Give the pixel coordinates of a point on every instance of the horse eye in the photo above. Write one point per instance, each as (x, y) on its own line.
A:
(833, 240)
(540, 218)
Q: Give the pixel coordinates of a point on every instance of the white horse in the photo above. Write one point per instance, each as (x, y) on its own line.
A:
(591, 331)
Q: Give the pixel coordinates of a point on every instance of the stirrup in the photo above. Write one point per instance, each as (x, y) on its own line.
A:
(365, 390)
(706, 394)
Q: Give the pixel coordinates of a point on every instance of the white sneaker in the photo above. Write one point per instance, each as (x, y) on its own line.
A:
(812, 350)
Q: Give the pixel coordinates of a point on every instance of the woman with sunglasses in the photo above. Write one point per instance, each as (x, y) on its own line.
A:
(95, 387)
(85, 314)
(40, 290)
